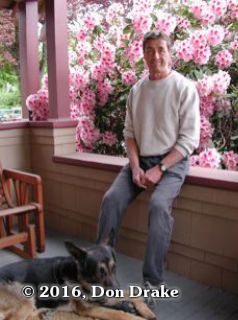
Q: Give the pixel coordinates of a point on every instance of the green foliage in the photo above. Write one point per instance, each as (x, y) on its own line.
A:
(9, 87)
(9, 99)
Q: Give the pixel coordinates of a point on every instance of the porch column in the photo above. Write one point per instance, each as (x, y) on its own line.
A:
(28, 51)
(57, 54)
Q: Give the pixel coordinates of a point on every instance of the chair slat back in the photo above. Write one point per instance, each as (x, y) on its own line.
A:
(5, 197)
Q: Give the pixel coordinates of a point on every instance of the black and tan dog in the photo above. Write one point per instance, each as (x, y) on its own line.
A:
(95, 265)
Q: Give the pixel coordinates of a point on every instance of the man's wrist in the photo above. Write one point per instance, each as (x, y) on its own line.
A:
(162, 167)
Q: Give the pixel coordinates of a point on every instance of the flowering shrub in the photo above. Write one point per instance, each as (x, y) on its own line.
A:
(7, 38)
(106, 59)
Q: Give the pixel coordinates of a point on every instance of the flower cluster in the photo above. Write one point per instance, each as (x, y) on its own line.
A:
(230, 160)
(216, 84)
(223, 59)
(38, 105)
(208, 158)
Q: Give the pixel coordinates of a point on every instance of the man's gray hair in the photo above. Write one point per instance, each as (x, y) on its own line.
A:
(154, 35)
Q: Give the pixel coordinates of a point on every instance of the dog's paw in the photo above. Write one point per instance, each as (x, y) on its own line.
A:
(125, 306)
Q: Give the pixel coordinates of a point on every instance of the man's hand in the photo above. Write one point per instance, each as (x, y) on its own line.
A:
(138, 177)
(152, 176)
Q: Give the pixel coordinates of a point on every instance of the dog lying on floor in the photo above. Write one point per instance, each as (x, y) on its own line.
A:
(13, 306)
(85, 267)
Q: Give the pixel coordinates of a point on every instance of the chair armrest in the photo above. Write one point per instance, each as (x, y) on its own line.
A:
(27, 178)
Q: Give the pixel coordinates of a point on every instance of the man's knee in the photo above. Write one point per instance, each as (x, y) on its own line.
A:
(110, 197)
(159, 204)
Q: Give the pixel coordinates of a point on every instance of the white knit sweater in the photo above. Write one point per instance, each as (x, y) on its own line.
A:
(162, 114)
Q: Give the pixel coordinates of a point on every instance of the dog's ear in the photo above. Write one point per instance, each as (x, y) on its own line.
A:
(76, 252)
(110, 241)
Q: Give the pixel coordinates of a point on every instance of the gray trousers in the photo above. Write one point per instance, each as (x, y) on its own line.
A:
(160, 224)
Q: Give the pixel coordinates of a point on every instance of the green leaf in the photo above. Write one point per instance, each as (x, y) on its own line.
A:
(127, 29)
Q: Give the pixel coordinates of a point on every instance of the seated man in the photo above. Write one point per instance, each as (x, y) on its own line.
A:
(162, 129)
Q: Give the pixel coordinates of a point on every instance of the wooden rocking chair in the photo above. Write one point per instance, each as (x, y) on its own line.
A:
(25, 236)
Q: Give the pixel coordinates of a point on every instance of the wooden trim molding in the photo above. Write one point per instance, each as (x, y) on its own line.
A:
(54, 123)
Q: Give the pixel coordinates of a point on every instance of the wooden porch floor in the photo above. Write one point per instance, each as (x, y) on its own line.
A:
(197, 301)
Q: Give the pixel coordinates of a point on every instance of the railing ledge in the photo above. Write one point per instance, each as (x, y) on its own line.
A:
(214, 178)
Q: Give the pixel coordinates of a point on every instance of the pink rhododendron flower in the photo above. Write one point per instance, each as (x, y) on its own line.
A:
(215, 35)
(72, 56)
(88, 102)
(145, 6)
(108, 52)
(209, 158)
(228, 35)
(207, 106)
(205, 86)
(208, 18)
(231, 4)
(165, 22)
(104, 89)
(198, 39)
(234, 43)
(98, 71)
(184, 50)
(206, 132)
(92, 19)
(79, 80)
(83, 48)
(134, 52)
(142, 23)
(74, 110)
(45, 81)
(109, 138)
(98, 42)
(233, 7)
(223, 59)
(113, 13)
(202, 55)
(198, 9)
(218, 7)
(221, 81)
(182, 23)
(72, 94)
(230, 160)
(129, 78)
(38, 104)
(201, 49)
(81, 34)
(87, 133)
(193, 160)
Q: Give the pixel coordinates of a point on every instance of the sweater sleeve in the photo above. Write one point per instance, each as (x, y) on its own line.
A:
(189, 121)
(128, 131)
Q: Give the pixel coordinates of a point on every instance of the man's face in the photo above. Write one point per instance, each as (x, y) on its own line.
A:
(157, 56)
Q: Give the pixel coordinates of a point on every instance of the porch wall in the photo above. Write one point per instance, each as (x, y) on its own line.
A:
(204, 244)
(15, 148)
